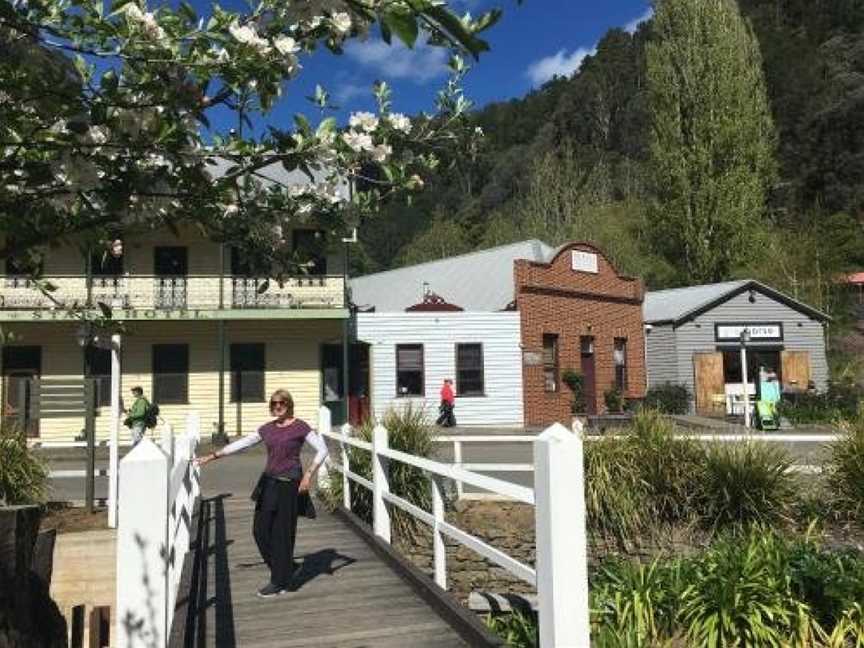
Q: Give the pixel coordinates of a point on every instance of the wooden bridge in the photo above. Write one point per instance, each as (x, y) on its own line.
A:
(347, 594)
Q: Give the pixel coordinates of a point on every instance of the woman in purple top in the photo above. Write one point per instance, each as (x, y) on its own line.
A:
(283, 480)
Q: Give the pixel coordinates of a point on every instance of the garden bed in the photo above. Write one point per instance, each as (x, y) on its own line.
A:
(72, 519)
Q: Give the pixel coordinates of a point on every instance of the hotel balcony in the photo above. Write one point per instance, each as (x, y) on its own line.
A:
(156, 297)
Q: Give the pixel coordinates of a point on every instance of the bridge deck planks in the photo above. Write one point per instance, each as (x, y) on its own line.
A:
(348, 597)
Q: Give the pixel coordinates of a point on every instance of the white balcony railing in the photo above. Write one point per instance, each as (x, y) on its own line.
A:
(176, 292)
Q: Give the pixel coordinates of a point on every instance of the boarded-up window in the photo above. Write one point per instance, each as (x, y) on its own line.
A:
(248, 364)
(550, 362)
(409, 369)
(171, 374)
(469, 370)
(619, 355)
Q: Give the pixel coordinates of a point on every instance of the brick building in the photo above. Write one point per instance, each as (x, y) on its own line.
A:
(506, 324)
(579, 314)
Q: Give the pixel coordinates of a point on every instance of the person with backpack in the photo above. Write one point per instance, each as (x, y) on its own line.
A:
(137, 415)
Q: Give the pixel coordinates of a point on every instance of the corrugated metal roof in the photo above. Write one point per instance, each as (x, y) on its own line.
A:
(673, 304)
(275, 173)
(679, 303)
(477, 281)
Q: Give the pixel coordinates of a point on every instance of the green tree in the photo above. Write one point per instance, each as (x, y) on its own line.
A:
(444, 238)
(712, 138)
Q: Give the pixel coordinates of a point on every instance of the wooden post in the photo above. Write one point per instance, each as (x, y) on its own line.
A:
(346, 466)
(141, 612)
(114, 450)
(562, 548)
(439, 548)
(23, 385)
(100, 626)
(90, 434)
(77, 631)
(380, 513)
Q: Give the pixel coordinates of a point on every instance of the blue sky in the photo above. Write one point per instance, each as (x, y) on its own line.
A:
(532, 41)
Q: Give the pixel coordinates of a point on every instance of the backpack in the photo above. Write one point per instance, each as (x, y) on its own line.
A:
(151, 415)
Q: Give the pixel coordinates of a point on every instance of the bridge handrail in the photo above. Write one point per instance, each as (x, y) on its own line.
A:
(158, 489)
(561, 573)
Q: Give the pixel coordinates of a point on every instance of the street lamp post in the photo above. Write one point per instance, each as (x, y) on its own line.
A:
(745, 338)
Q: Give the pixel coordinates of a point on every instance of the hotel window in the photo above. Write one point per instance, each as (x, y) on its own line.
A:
(97, 364)
(550, 362)
(469, 370)
(619, 355)
(171, 374)
(409, 369)
(248, 366)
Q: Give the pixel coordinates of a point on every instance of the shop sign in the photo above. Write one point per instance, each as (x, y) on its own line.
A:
(758, 332)
(582, 261)
(532, 358)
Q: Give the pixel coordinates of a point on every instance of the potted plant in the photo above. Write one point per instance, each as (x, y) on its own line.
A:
(575, 382)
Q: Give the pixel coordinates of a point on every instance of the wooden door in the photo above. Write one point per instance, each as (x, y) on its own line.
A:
(795, 370)
(589, 374)
(708, 368)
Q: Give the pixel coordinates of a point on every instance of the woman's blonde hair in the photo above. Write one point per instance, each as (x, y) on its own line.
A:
(284, 395)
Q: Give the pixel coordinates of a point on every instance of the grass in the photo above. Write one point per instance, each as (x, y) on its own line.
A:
(23, 475)
(844, 472)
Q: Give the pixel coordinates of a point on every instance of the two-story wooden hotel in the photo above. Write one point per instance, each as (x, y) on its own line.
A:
(191, 318)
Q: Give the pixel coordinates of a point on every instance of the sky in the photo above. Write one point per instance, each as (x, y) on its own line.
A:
(532, 42)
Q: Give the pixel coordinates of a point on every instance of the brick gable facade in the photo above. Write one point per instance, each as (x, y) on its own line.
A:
(577, 306)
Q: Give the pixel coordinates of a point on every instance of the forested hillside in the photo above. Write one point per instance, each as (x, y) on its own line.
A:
(574, 159)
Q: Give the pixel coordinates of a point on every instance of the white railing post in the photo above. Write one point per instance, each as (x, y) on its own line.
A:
(166, 440)
(325, 426)
(457, 459)
(562, 558)
(193, 432)
(380, 514)
(346, 466)
(141, 612)
(438, 546)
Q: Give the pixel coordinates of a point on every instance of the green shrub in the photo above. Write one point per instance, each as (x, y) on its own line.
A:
(616, 499)
(740, 595)
(844, 471)
(840, 401)
(614, 399)
(745, 482)
(575, 381)
(23, 475)
(668, 398)
(670, 466)
(517, 629)
(636, 604)
(409, 431)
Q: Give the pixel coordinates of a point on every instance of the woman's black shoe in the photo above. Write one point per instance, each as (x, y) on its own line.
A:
(270, 590)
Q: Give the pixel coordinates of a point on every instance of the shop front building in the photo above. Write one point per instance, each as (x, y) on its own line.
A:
(695, 337)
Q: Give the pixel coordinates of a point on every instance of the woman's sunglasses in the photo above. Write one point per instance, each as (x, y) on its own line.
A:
(274, 403)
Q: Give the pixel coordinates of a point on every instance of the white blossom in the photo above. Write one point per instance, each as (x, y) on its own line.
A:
(231, 210)
(358, 141)
(286, 45)
(341, 22)
(97, 134)
(315, 22)
(381, 152)
(478, 130)
(146, 20)
(364, 120)
(247, 35)
(400, 122)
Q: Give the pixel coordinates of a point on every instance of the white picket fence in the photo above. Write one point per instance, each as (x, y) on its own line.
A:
(558, 496)
(153, 534)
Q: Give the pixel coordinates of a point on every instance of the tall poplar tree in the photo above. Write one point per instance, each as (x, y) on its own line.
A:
(712, 137)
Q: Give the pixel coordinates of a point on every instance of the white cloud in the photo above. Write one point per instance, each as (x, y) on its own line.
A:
(564, 64)
(561, 64)
(631, 26)
(345, 92)
(397, 61)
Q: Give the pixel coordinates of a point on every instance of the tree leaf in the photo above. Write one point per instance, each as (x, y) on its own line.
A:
(403, 24)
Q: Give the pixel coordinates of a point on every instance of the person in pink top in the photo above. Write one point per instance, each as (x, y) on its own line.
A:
(280, 486)
(448, 402)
